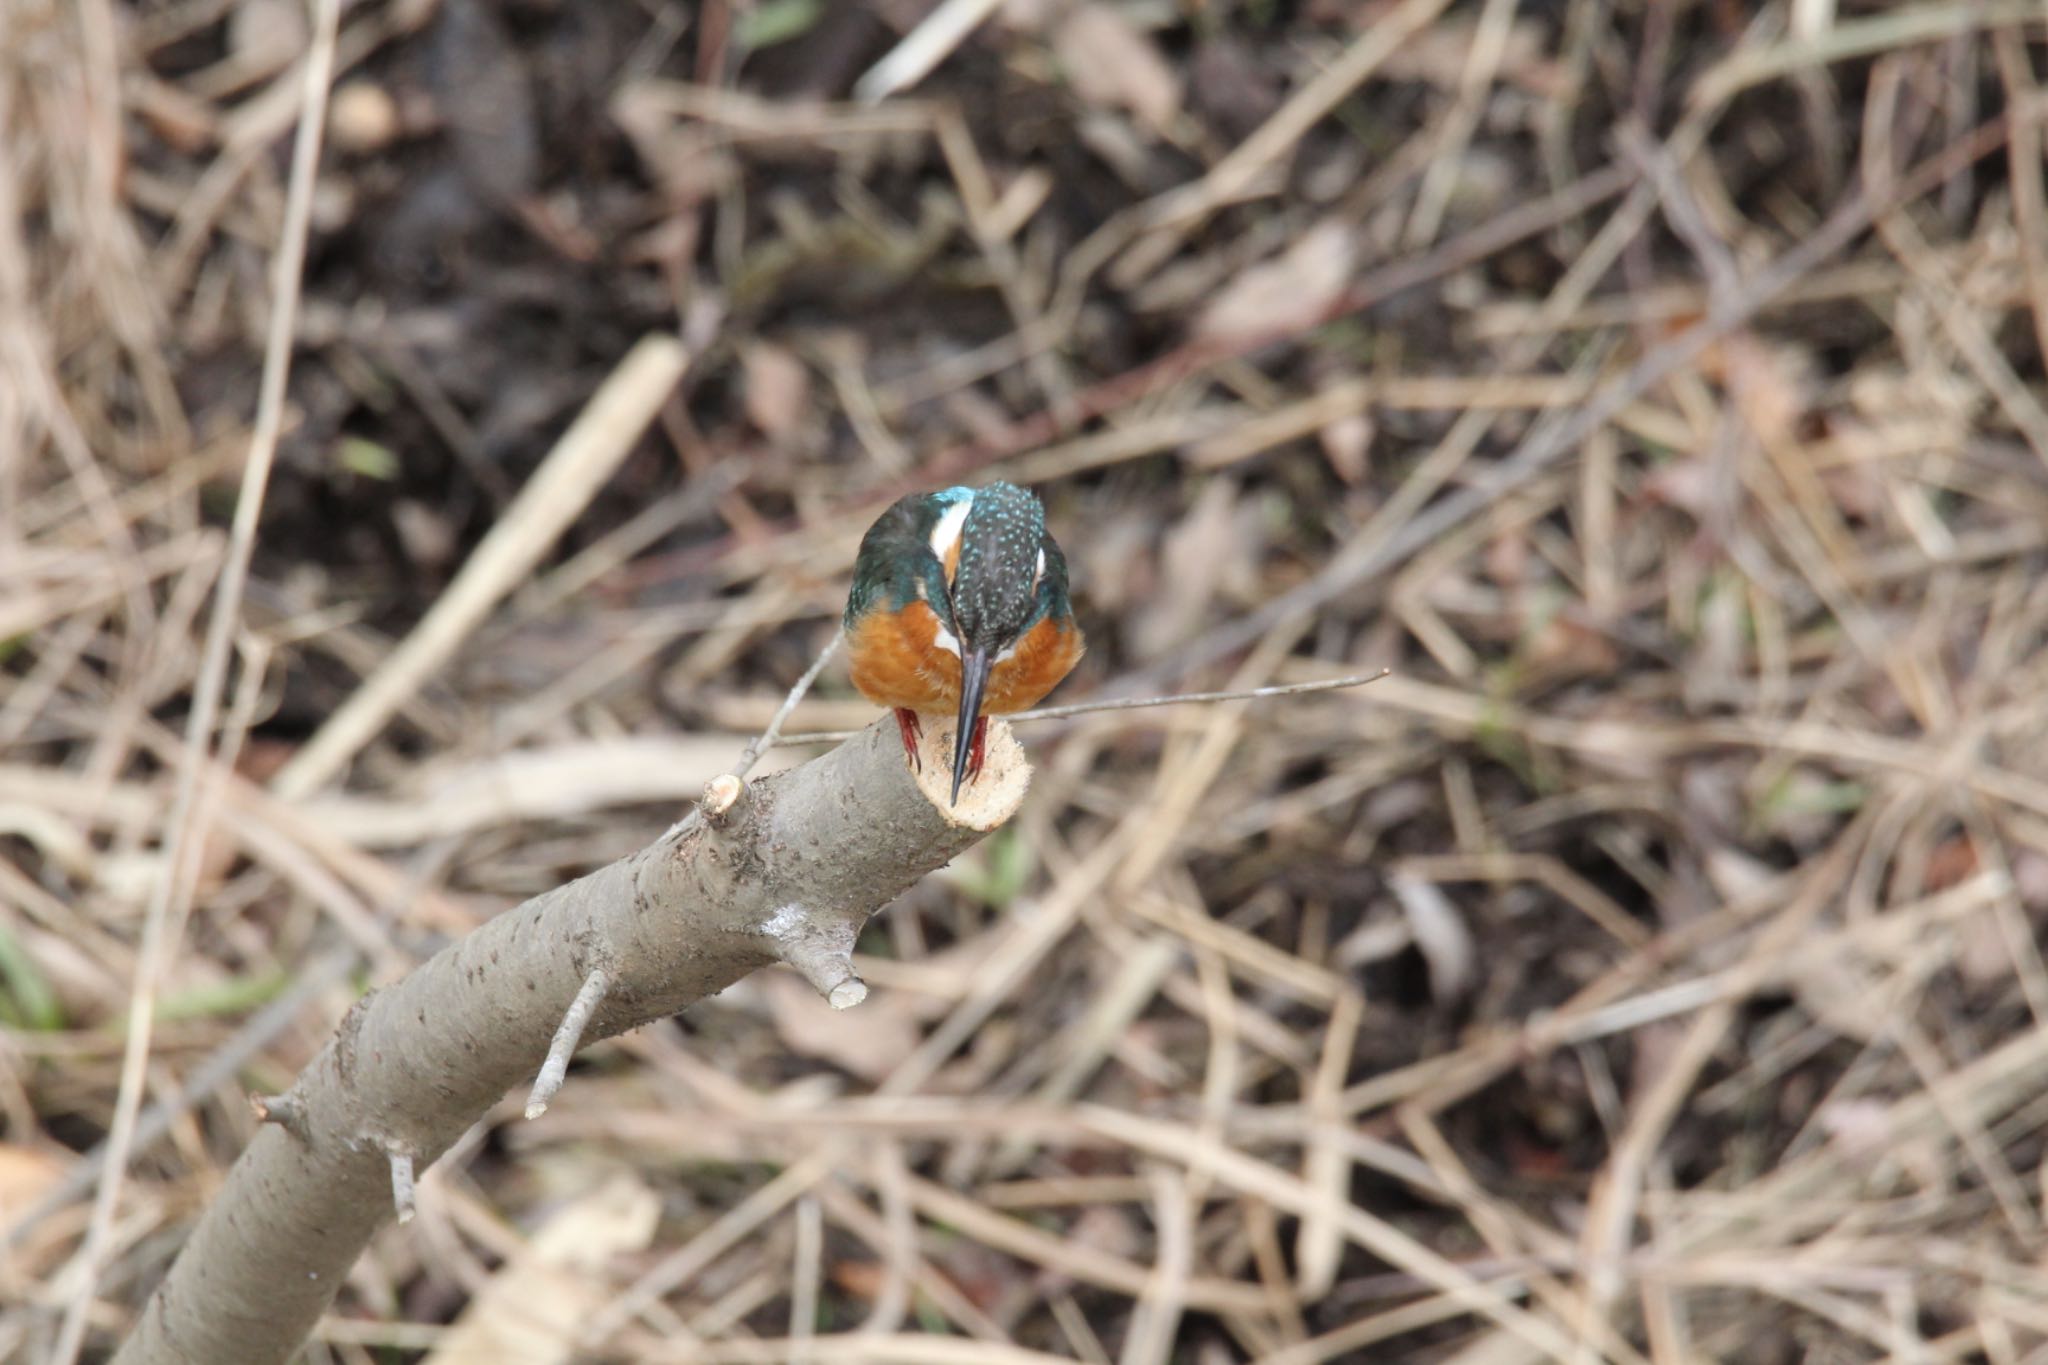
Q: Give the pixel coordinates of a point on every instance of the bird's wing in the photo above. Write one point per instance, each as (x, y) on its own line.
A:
(896, 566)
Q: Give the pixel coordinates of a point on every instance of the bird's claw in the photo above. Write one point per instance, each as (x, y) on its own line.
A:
(913, 731)
(977, 748)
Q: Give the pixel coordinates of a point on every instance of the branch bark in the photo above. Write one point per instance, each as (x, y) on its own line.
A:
(787, 871)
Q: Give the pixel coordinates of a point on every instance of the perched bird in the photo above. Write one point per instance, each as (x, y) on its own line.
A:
(959, 604)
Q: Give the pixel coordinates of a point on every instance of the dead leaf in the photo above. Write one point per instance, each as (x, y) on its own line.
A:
(1347, 445)
(1562, 648)
(1289, 293)
(1114, 562)
(1844, 997)
(530, 1312)
(1440, 934)
(1983, 956)
(1860, 1126)
(1508, 558)
(778, 389)
(1110, 62)
(2030, 878)
(1736, 875)
(1192, 563)
(689, 160)
(1693, 486)
(1768, 386)
(1103, 1228)
(26, 1175)
(362, 117)
(868, 1040)
(1952, 861)
(266, 35)
(1611, 740)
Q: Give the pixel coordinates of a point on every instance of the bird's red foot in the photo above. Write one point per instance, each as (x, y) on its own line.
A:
(913, 731)
(977, 748)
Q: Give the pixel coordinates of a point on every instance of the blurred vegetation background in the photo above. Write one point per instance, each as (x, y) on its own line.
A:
(1646, 971)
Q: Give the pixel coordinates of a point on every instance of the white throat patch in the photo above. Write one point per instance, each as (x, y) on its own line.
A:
(945, 538)
(946, 534)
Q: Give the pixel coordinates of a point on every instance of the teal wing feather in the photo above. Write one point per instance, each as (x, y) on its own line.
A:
(1052, 597)
(896, 566)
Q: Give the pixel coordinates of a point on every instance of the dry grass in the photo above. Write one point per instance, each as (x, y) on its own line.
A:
(1648, 971)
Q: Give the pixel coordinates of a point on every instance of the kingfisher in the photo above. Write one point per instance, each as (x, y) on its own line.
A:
(959, 605)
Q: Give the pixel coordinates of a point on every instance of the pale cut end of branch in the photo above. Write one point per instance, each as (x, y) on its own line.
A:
(402, 1197)
(985, 801)
(567, 1036)
(822, 950)
(720, 796)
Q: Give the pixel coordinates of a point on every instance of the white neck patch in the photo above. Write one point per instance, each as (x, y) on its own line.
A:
(946, 534)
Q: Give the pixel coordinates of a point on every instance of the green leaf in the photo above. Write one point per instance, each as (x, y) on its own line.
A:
(999, 875)
(28, 999)
(930, 1319)
(776, 21)
(1800, 792)
(237, 995)
(367, 458)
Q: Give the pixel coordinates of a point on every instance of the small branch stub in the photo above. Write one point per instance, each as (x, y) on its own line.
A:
(567, 1036)
(822, 952)
(721, 795)
(282, 1110)
(402, 1195)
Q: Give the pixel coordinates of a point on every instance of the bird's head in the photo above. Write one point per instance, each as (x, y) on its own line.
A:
(993, 544)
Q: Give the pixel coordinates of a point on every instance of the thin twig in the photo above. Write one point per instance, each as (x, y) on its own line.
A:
(723, 791)
(1084, 708)
(805, 1277)
(923, 48)
(403, 1200)
(184, 834)
(768, 738)
(567, 1036)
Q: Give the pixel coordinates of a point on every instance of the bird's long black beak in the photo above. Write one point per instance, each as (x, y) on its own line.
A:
(974, 666)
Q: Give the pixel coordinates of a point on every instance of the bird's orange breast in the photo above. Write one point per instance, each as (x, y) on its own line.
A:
(1046, 654)
(895, 661)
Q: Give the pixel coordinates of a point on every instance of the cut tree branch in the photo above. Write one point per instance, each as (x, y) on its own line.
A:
(788, 873)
